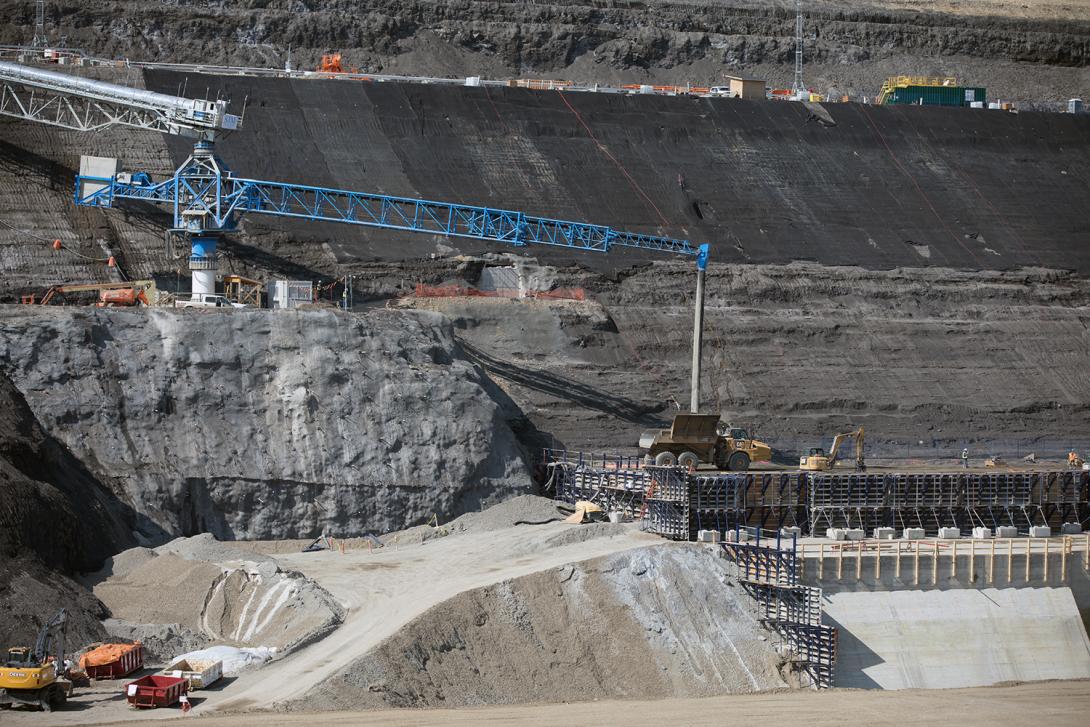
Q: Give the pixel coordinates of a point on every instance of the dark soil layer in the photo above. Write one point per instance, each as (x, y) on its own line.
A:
(56, 518)
(849, 47)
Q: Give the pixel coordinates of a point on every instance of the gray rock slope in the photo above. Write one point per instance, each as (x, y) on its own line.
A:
(655, 622)
(261, 424)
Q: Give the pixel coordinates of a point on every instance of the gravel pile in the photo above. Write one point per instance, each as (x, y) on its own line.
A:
(654, 622)
(521, 510)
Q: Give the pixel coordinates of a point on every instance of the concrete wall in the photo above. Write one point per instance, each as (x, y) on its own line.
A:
(956, 620)
(937, 639)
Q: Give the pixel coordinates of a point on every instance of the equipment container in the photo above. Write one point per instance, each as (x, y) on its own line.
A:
(937, 96)
(113, 661)
(156, 690)
(200, 674)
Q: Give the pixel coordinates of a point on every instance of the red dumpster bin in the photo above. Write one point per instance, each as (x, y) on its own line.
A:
(156, 690)
(112, 661)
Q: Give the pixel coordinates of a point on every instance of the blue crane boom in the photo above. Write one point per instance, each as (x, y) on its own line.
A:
(208, 199)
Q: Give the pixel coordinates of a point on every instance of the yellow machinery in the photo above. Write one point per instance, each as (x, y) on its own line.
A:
(694, 439)
(37, 677)
(894, 82)
(818, 461)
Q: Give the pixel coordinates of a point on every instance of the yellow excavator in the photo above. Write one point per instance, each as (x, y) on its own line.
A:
(816, 460)
(37, 677)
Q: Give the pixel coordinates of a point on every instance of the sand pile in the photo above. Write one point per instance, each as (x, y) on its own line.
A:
(194, 591)
(520, 510)
(660, 621)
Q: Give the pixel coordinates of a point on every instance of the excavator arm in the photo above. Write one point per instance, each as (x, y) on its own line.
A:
(51, 640)
(839, 439)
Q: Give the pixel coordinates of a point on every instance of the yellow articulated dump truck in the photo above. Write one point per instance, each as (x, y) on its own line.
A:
(696, 439)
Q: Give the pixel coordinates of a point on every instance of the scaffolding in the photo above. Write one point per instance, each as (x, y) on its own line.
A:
(963, 500)
(679, 504)
(769, 573)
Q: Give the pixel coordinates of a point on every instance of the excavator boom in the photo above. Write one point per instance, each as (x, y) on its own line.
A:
(817, 461)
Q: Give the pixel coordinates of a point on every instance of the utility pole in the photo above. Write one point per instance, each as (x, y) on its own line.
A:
(799, 88)
(39, 24)
(698, 330)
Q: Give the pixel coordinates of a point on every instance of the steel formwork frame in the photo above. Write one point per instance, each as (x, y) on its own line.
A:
(769, 574)
(679, 504)
(658, 496)
(962, 500)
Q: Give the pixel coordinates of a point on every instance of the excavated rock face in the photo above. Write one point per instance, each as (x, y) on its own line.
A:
(656, 622)
(56, 518)
(929, 360)
(262, 424)
(584, 40)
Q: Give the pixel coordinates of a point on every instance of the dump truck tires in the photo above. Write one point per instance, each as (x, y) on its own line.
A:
(738, 462)
(688, 460)
(665, 459)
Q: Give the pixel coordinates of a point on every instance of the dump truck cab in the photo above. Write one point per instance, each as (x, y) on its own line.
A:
(695, 439)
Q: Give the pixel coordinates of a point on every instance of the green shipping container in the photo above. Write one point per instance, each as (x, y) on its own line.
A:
(937, 95)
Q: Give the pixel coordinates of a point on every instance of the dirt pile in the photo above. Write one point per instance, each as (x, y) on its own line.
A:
(194, 591)
(265, 424)
(679, 42)
(56, 519)
(521, 510)
(652, 622)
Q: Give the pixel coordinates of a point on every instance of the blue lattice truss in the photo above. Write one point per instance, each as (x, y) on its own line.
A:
(206, 199)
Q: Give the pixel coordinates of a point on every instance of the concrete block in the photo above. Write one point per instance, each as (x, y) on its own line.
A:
(707, 536)
(1070, 529)
(949, 533)
(913, 534)
(1006, 531)
(737, 536)
(792, 531)
(982, 533)
(855, 534)
(836, 534)
(1040, 531)
(884, 533)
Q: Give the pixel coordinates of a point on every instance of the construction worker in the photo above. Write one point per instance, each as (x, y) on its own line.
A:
(1074, 461)
(965, 458)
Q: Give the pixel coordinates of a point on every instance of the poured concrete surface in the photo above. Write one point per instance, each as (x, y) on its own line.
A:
(957, 638)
